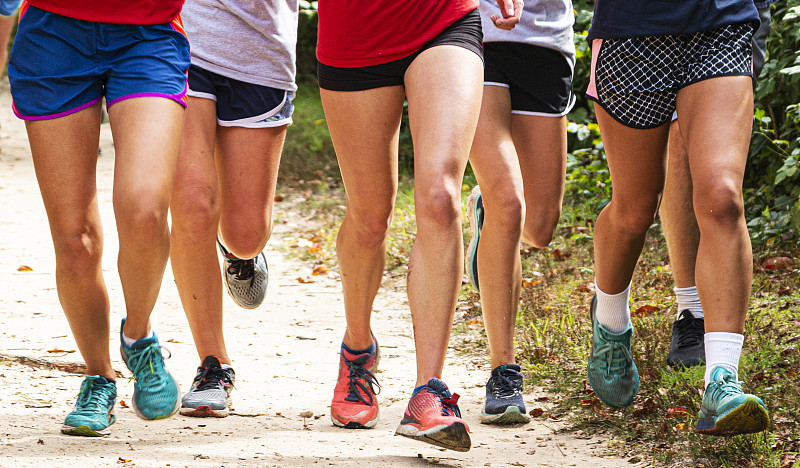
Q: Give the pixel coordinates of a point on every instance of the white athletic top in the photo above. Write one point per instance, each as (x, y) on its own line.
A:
(248, 40)
(544, 23)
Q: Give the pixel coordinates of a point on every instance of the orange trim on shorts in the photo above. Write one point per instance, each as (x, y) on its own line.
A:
(177, 24)
(22, 9)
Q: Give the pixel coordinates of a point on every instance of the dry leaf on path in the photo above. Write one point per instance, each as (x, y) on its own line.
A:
(24, 268)
(57, 350)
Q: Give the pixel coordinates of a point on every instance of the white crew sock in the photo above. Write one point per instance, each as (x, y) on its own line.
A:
(723, 350)
(688, 299)
(613, 312)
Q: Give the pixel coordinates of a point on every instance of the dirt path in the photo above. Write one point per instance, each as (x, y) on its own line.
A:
(285, 355)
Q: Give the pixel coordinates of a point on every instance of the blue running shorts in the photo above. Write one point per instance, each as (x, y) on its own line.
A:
(61, 65)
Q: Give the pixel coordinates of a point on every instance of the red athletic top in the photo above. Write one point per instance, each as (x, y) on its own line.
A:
(114, 11)
(359, 34)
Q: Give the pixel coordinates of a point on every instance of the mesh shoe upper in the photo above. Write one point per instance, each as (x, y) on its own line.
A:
(211, 386)
(94, 407)
(245, 280)
(355, 402)
(687, 348)
(156, 394)
(433, 406)
(504, 389)
(727, 410)
(612, 372)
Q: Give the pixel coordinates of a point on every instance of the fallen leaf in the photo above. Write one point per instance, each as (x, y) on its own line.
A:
(320, 270)
(585, 288)
(680, 426)
(123, 460)
(302, 280)
(172, 340)
(553, 417)
(677, 412)
(58, 350)
(24, 268)
(645, 310)
(278, 198)
(776, 263)
(125, 405)
(536, 412)
(316, 248)
(40, 442)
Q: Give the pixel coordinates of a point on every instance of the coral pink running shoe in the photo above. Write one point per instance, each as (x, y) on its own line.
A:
(355, 404)
(432, 416)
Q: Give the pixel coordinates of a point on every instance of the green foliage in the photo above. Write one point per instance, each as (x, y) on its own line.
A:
(307, 42)
(772, 182)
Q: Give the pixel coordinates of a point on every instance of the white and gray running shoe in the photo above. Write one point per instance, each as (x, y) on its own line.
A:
(245, 280)
(209, 395)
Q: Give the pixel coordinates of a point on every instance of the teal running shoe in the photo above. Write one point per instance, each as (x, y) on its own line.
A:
(94, 410)
(612, 373)
(475, 216)
(727, 411)
(156, 394)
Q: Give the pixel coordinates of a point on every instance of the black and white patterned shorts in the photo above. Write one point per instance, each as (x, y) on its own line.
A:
(636, 80)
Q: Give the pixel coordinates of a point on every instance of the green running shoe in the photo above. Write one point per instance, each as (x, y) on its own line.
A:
(612, 373)
(94, 410)
(156, 394)
(727, 411)
(475, 216)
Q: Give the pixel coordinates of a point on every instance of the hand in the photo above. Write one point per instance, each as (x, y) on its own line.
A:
(511, 10)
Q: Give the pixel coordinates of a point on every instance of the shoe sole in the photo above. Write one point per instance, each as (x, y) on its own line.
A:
(84, 431)
(356, 424)
(747, 418)
(512, 415)
(204, 411)
(472, 250)
(243, 305)
(452, 437)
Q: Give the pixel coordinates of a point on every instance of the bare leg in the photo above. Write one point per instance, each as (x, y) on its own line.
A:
(715, 120)
(677, 212)
(6, 26)
(365, 128)
(636, 160)
(443, 85)
(65, 159)
(147, 136)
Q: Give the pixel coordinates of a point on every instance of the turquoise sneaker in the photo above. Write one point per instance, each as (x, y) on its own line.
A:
(612, 373)
(727, 411)
(94, 410)
(475, 216)
(156, 394)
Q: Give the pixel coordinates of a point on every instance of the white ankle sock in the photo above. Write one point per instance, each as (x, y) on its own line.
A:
(130, 341)
(688, 299)
(722, 350)
(613, 312)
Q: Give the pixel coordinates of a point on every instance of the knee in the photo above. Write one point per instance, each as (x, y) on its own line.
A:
(507, 213)
(79, 250)
(142, 225)
(194, 210)
(247, 236)
(719, 204)
(633, 221)
(369, 228)
(540, 226)
(438, 207)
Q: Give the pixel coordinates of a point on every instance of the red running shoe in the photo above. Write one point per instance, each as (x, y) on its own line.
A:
(432, 416)
(355, 404)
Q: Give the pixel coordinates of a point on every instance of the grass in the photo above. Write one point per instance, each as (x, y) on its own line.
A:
(553, 332)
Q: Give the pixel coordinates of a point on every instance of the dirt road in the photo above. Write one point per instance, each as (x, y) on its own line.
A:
(285, 356)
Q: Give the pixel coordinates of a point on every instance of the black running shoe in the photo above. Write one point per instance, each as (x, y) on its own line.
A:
(210, 392)
(687, 348)
(504, 403)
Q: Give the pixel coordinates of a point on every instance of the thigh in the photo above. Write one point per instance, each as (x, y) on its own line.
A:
(493, 157)
(64, 154)
(365, 128)
(636, 161)
(196, 173)
(147, 137)
(541, 144)
(716, 118)
(443, 86)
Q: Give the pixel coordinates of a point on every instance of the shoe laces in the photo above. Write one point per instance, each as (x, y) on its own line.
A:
(147, 365)
(208, 378)
(449, 402)
(243, 269)
(615, 357)
(504, 386)
(725, 386)
(690, 331)
(93, 397)
(359, 378)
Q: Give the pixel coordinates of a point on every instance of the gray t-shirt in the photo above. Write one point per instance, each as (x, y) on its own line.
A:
(544, 23)
(248, 40)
